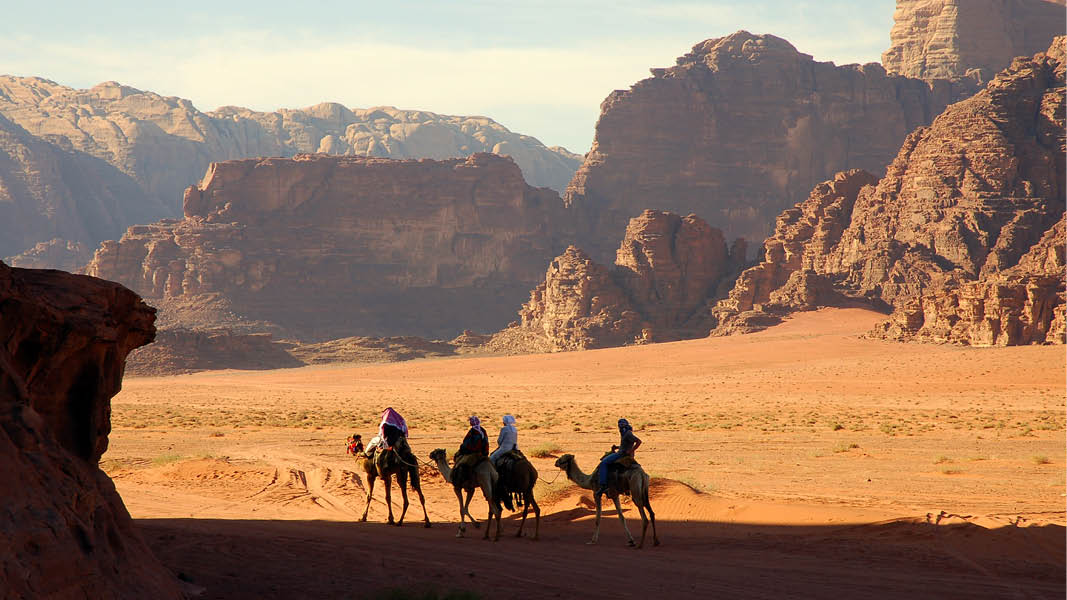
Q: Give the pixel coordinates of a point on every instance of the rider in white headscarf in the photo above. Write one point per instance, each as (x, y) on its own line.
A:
(508, 440)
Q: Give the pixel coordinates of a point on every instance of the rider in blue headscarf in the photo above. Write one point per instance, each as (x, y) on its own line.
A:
(628, 445)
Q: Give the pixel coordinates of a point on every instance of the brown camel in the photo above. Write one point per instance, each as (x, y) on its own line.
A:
(483, 476)
(632, 482)
(518, 480)
(385, 465)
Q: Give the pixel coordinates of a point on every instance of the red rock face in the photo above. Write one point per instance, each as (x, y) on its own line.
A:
(741, 129)
(321, 247)
(65, 532)
(667, 268)
(790, 276)
(950, 236)
(943, 39)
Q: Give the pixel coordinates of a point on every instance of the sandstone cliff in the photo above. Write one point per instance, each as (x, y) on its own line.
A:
(49, 192)
(164, 142)
(80, 166)
(666, 269)
(320, 247)
(64, 532)
(740, 129)
(945, 39)
(951, 237)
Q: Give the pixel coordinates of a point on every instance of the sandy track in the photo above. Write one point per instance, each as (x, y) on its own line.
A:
(818, 457)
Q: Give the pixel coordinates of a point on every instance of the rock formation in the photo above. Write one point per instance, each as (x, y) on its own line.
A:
(320, 247)
(960, 237)
(54, 254)
(946, 39)
(740, 129)
(180, 350)
(164, 142)
(791, 275)
(666, 269)
(83, 165)
(64, 532)
(49, 192)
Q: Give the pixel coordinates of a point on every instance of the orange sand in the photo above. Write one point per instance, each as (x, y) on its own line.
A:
(803, 458)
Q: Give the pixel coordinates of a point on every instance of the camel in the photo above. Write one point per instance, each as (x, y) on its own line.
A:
(632, 482)
(519, 481)
(485, 477)
(388, 463)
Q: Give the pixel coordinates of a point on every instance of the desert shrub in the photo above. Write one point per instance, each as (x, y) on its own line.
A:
(546, 450)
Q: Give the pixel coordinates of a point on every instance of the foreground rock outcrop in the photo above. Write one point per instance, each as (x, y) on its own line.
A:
(962, 238)
(64, 532)
(666, 269)
(320, 247)
(946, 39)
(740, 129)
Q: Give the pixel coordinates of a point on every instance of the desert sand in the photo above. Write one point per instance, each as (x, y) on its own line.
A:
(802, 461)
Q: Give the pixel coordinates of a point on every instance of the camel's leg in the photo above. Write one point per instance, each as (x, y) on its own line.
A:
(370, 493)
(525, 509)
(462, 525)
(467, 509)
(596, 528)
(537, 516)
(388, 481)
(618, 509)
(402, 482)
(652, 517)
(415, 485)
(644, 525)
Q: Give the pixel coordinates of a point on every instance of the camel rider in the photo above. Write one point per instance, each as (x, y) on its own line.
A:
(475, 442)
(473, 450)
(355, 445)
(507, 441)
(391, 430)
(628, 445)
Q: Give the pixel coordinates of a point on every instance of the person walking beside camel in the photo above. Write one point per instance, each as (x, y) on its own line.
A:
(507, 441)
(628, 445)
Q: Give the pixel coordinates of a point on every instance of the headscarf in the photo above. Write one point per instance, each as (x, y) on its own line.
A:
(391, 417)
(509, 420)
(476, 423)
(624, 426)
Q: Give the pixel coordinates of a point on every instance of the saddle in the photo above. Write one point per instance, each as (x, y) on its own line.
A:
(507, 461)
(464, 467)
(391, 457)
(621, 465)
(512, 498)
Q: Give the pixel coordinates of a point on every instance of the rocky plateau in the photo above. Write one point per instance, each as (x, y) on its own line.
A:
(320, 247)
(83, 165)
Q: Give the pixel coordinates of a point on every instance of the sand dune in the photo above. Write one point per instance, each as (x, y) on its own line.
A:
(800, 461)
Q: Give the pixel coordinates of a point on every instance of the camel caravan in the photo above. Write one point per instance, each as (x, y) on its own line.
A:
(505, 477)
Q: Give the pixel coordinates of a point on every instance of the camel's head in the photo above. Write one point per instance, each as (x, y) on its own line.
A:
(564, 461)
(437, 454)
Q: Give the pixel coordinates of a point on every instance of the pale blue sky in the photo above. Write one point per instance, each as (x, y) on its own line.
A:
(540, 68)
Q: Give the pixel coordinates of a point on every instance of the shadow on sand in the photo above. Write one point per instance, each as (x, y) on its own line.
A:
(334, 559)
